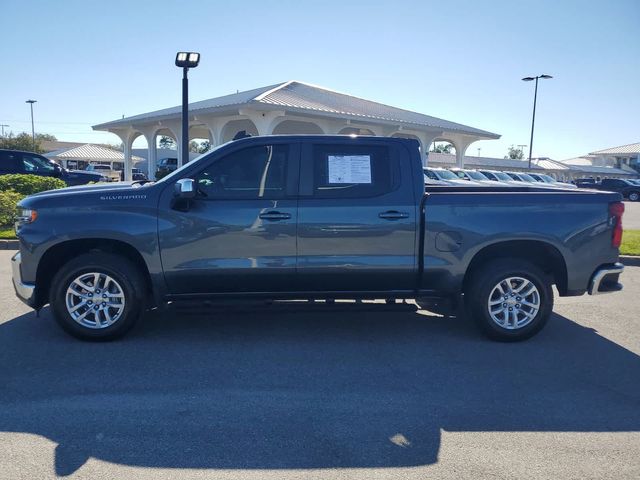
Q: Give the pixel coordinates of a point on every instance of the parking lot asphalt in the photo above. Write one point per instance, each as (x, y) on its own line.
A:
(365, 391)
(631, 218)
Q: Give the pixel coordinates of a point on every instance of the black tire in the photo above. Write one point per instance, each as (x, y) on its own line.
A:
(127, 275)
(634, 196)
(486, 278)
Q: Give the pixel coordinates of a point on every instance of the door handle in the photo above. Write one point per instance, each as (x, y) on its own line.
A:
(393, 215)
(275, 216)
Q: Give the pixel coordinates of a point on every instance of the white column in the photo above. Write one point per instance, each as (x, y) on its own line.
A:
(127, 160)
(152, 156)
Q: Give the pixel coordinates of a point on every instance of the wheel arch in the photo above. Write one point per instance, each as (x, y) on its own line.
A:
(59, 254)
(542, 254)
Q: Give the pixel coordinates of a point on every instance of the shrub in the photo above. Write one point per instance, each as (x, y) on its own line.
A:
(8, 210)
(29, 184)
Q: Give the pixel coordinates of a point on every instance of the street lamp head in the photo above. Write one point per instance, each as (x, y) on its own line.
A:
(187, 59)
(528, 79)
(30, 101)
(546, 76)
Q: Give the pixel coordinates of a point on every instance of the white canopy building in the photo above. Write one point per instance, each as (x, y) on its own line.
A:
(288, 108)
(78, 157)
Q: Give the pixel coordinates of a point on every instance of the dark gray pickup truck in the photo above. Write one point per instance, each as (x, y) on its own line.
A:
(313, 217)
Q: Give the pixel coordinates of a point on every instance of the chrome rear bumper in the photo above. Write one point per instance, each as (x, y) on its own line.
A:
(605, 279)
(24, 291)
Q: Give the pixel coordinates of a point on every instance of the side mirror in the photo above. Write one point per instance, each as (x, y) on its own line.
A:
(185, 188)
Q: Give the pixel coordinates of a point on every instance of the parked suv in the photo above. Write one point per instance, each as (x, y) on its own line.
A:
(625, 187)
(16, 161)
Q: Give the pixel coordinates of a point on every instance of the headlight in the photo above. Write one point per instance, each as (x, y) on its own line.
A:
(25, 215)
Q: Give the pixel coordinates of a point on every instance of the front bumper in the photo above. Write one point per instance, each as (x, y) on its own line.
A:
(605, 279)
(24, 291)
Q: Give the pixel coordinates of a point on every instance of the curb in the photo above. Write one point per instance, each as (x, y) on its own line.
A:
(9, 244)
(630, 261)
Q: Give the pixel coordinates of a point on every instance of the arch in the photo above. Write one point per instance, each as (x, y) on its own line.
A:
(439, 145)
(297, 127)
(200, 140)
(356, 131)
(233, 127)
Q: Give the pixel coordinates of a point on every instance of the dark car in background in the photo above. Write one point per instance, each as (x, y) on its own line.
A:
(628, 189)
(19, 162)
(136, 175)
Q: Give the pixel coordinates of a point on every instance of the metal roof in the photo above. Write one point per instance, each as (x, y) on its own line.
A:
(89, 152)
(306, 98)
(632, 148)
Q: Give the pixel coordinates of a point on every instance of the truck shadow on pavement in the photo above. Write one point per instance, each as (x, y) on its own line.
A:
(283, 387)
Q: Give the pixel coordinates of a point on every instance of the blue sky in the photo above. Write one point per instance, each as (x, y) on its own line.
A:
(89, 62)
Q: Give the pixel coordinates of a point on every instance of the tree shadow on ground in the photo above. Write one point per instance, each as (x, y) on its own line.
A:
(294, 387)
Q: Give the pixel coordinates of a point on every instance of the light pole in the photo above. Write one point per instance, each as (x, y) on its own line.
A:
(33, 132)
(186, 60)
(2, 126)
(533, 120)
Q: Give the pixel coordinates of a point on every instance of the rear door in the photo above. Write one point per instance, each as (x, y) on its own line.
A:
(10, 162)
(356, 217)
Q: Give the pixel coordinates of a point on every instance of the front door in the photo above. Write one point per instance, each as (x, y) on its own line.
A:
(239, 233)
(357, 218)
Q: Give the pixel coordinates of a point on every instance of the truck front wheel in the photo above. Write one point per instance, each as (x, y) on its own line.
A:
(97, 296)
(510, 299)
(634, 196)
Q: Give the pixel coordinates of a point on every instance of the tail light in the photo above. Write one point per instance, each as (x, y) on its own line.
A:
(615, 212)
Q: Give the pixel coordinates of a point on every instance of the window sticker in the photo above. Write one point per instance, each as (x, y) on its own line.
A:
(349, 169)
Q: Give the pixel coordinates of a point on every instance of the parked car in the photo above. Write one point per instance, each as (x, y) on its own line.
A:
(431, 178)
(475, 176)
(307, 217)
(106, 170)
(626, 188)
(497, 176)
(522, 177)
(168, 164)
(448, 177)
(585, 182)
(16, 161)
(136, 175)
(550, 181)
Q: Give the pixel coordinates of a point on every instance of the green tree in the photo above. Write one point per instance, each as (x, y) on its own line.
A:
(166, 142)
(514, 153)
(204, 146)
(22, 141)
(441, 148)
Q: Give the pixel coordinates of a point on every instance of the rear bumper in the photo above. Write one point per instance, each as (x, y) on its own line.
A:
(24, 291)
(605, 279)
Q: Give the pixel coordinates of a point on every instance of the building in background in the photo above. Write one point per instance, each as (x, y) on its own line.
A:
(288, 108)
(624, 157)
(80, 156)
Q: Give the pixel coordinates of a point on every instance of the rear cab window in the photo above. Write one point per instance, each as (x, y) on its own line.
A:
(353, 171)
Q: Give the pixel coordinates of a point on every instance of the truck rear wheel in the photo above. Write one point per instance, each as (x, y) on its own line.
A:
(510, 299)
(97, 296)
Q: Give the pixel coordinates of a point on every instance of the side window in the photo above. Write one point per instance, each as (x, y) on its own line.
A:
(460, 175)
(352, 171)
(9, 163)
(251, 173)
(34, 164)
